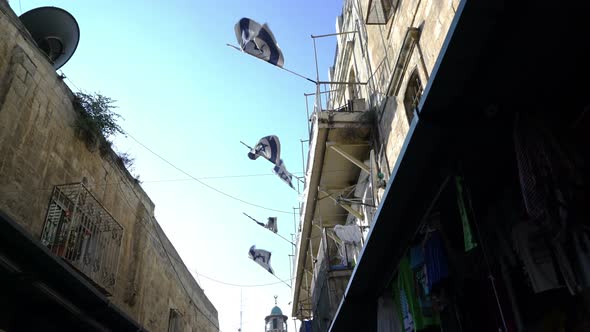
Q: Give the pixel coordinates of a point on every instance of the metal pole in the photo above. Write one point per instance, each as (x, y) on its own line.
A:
(318, 97)
(240, 309)
(285, 69)
(303, 155)
(332, 34)
(308, 120)
(343, 83)
(322, 92)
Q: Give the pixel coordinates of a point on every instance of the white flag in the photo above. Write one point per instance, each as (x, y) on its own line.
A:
(268, 147)
(262, 257)
(281, 170)
(257, 40)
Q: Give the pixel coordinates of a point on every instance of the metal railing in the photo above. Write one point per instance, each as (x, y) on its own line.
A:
(80, 230)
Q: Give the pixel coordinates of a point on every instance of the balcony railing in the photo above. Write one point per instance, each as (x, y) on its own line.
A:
(80, 230)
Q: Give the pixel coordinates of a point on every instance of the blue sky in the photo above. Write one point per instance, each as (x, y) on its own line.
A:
(187, 96)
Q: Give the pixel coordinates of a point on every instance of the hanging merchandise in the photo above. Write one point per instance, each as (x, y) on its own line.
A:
(467, 235)
(412, 312)
(548, 175)
(435, 260)
(581, 240)
(387, 315)
(535, 253)
(420, 279)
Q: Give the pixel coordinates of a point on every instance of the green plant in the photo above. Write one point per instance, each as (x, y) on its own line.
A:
(96, 121)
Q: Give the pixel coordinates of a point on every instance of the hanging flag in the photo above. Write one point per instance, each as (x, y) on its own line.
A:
(268, 147)
(272, 224)
(262, 257)
(258, 40)
(281, 170)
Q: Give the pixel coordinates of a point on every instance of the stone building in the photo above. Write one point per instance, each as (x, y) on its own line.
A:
(381, 69)
(80, 248)
(447, 120)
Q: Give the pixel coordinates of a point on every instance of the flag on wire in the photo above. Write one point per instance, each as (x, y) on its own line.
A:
(262, 257)
(258, 40)
(268, 147)
(281, 170)
(272, 224)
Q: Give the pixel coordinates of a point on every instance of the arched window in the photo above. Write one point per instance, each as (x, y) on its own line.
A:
(413, 93)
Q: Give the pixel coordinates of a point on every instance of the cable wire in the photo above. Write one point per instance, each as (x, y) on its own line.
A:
(239, 285)
(203, 183)
(186, 173)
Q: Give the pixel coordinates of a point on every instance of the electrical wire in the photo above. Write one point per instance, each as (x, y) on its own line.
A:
(203, 183)
(239, 285)
(186, 173)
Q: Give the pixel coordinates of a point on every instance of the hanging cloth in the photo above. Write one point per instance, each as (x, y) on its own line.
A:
(535, 253)
(387, 315)
(468, 240)
(411, 310)
(435, 260)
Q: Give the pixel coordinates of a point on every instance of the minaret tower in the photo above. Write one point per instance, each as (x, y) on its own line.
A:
(276, 321)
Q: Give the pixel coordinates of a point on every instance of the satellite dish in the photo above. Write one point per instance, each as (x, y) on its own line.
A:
(55, 31)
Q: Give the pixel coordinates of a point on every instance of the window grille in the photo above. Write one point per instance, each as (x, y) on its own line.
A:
(80, 230)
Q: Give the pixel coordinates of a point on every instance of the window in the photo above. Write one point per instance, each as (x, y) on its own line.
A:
(274, 324)
(174, 321)
(380, 11)
(78, 229)
(412, 95)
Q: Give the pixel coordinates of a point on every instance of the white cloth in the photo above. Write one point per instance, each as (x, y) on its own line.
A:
(387, 315)
(350, 234)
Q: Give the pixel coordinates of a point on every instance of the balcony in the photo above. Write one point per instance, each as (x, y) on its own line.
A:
(339, 149)
(79, 230)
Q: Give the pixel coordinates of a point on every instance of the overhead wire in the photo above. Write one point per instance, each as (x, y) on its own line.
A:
(201, 182)
(241, 285)
(186, 173)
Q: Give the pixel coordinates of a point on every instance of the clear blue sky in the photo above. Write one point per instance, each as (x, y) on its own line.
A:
(191, 99)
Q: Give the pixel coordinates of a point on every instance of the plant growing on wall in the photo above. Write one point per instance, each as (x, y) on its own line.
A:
(97, 120)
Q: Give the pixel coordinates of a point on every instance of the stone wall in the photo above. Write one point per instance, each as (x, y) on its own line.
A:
(39, 149)
(375, 54)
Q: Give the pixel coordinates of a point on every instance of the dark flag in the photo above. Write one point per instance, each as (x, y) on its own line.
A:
(272, 224)
(258, 40)
(268, 147)
(262, 257)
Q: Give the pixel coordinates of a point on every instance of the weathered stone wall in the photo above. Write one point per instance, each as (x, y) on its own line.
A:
(39, 149)
(377, 48)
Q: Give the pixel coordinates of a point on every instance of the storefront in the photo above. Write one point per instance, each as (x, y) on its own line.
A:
(484, 224)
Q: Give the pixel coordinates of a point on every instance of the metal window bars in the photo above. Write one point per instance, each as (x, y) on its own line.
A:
(80, 230)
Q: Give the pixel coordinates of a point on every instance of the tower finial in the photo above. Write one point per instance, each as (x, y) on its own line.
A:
(276, 299)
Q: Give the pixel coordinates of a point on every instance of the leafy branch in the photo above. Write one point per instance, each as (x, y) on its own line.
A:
(97, 121)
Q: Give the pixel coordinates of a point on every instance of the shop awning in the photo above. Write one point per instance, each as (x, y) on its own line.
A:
(498, 55)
